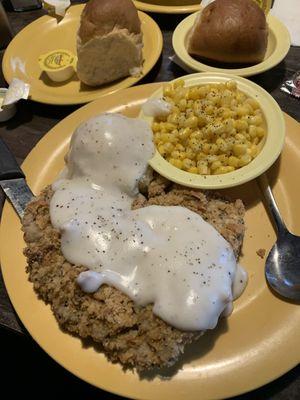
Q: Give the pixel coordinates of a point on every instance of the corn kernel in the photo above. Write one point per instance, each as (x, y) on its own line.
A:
(230, 168)
(223, 147)
(239, 149)
(252, 131)
(190, 153)
(173, 118)
(202, 120)
(182, 104)
(240, 137)
(253, 151)
(175, 154)
(156, 127)
(178, 83)
(168, 147)
(189, 106)
(233, 161)
(201, 156)
(206, 148)
(215, 165)
(187, 163)
(240, 125)
(254, 104)
(184, 133)
(179, 147)
(191, 122)
(250, 110)
(256, 120)
(182, 155)
(198, 135)
(213, 149)
(164, 137)
(168, 91)
(193, 93)
(202, 91)
(211, 158)
(162, 150)
(244, 160)
(240, 97)
(241, 111)
(177, 163)
(231, 85)
(193, 170)
(220, 170)
(257, 112)
(260, 132)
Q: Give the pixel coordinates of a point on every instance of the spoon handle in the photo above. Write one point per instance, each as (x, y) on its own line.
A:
(271, 203)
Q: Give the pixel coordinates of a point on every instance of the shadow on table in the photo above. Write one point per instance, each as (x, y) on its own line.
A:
(167, 22)
(23, 115)
(27, 110)
(271, 79)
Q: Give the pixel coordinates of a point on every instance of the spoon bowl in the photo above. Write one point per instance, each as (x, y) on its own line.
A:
(283, 266)
(283, 262)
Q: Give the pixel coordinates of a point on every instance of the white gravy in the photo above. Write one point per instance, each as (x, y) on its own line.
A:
(156, 108)
(167, 256)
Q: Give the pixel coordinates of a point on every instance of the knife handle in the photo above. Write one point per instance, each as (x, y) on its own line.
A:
(9, 168)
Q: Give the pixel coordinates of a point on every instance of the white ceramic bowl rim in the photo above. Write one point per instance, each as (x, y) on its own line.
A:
(271, 150)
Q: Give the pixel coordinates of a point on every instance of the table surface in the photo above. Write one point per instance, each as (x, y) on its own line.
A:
(31, 123)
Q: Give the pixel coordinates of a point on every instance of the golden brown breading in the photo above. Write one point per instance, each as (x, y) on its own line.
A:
(129, 334)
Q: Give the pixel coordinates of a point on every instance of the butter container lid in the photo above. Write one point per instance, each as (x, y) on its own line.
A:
(57, 60)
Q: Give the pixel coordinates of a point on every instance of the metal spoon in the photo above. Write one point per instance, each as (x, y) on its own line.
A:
(283, 262)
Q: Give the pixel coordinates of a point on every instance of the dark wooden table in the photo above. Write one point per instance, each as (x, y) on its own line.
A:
(24, 364)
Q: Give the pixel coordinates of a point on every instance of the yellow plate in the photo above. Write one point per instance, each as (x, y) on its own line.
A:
(162, 6)
(21, 59)
(268, 155)
(256, 344)
(279, 42)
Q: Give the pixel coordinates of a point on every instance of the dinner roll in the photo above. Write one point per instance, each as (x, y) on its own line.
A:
(109, 42)
(230, 31)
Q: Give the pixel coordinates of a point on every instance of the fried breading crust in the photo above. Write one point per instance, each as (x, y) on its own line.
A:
(129, 334)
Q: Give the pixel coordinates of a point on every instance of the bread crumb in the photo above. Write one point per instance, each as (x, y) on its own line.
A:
(261, 252)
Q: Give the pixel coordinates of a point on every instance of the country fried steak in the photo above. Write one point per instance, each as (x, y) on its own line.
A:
(129, 334)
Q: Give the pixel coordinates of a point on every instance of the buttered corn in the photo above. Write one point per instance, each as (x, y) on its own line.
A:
(212, 129)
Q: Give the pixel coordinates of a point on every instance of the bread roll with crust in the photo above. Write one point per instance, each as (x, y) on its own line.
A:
(230, 31)
(109, 42)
